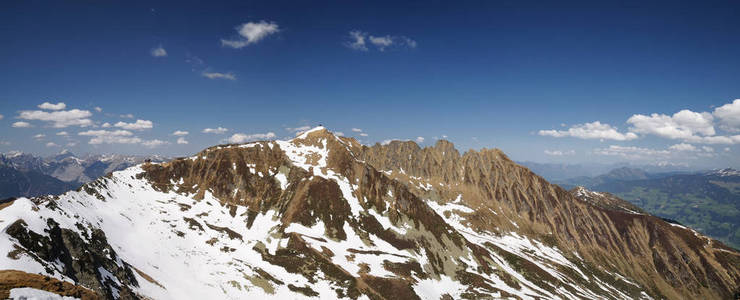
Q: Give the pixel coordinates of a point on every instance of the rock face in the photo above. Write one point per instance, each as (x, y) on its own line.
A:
(323, 216)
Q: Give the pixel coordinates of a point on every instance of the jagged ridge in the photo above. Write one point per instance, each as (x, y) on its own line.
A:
(314, 216)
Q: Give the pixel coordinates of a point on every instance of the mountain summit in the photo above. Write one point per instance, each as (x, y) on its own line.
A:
(324, 216)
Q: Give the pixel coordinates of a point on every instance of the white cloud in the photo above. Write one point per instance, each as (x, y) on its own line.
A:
(631, 152)
(182, 141)
(419, 139)
(110, 137)
(559, 152)
(381, 42)
(339, 133)
(98, 109)
(251, 33)
(216, 75)
(106, 125)
(684, 124)
(62, 133)
(727, 149)
(21, 124)
(106, 132)
(593, 130)
(138, 125)
(677, 151)
(356, 129)
(1, 117)
(682, 147)
(180, 133)
(729, 116)
(159, 51)
(59, 118)
(128, 116)
(39, 136)
(363, 134)
(358, 40)
(154, 143)
(717, 139)
(71, 144)
(241, 137)
(51, 144)
(50, 106)
(219, 130)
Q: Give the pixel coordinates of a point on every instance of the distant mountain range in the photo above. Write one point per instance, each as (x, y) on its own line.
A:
(27, 175)
(560, 172)
(706, 201)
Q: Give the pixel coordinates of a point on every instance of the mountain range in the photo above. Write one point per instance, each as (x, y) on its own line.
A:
(27, 175)
(707, 201)
(323, 216)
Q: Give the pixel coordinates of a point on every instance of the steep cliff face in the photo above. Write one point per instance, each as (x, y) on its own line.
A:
(669, 261)
(323, 216)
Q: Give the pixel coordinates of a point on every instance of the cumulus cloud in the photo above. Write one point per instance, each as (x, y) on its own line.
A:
(106, 125)
(593, 130)
(127, 116)
(21, 124)
(219, 130)
(359, 40)
(419, 139)
(159, 51)
(98, 109)
(251, 33)
(1, 117)
(51, 144)
(62, 133)
(685, 125)
(356, 130)
(560, 152)
(681, 125)
(110, 137)
(50, 106)
(39, 136)
(182, 141)
(363, 134)
(59, 118)
(238, 138)
(729, 116)
(138, 125)
(339, 133)
(180, 133)
(154, 143)
(216, 75)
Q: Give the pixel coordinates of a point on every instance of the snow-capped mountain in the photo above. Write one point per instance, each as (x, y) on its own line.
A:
(28, 175)
(321, 216)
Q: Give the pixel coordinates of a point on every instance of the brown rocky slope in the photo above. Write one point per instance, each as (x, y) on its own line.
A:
(324, 216)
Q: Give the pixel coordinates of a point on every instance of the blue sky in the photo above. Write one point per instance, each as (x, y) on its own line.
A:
(530, 78)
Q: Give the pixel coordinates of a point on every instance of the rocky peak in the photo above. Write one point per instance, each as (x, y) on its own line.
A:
(323, 216)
